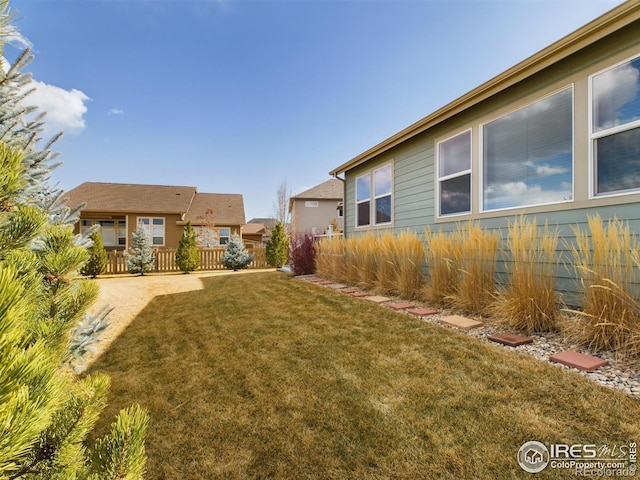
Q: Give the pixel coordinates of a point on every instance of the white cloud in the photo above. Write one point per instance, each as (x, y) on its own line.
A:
(513, 194)
(115, 111)
(545, 170)
(613, 89)
(14, 37)
(65, 108)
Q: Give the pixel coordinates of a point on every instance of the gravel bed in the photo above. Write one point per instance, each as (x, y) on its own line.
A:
(617, 375)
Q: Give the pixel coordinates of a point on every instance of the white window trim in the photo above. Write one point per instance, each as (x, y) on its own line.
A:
(481, 160)
(439, 179)
(373, 197)
(593, 194)
(312, 203)
(164, 230)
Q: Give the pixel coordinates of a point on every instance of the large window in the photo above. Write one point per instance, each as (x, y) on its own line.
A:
(373, 197)
(528, 155)
(154, 228)
(454, 174)
(113, 232)
(615, 128)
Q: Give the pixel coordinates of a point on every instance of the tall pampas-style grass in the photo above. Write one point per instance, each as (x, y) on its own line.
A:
(442, 258)
(529, 301)
(607, 261)
(477, 253)
(409, 253)
(385, 264)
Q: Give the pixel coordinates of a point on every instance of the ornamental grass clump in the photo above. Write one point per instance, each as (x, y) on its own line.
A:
(352, 261)
(607, 262)
(408, 252)
(442, 256)
(529, 301)
(384, 258)
(366, 251)
(477, 254)
(330, 258)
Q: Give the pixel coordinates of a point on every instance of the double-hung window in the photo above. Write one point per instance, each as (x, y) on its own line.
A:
(113, 232)
(374, 197)
(615, 128)
(528, 155)
(454, 174)
(154, 228)
(224, 235)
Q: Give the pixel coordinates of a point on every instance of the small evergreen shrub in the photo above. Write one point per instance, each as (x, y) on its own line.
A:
(97, 262)
(277, 249)
(187, 256)
(302, 254)
(139, 258)
(235, 254)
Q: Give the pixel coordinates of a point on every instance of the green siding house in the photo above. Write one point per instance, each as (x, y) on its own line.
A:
(557, 137)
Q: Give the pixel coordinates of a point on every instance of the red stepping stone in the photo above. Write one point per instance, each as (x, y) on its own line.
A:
(325, 282)
(314, 280)
(348, 291)
(423, 312)
(587, 363)
(360, 294)
(510, 339)
(400, 306)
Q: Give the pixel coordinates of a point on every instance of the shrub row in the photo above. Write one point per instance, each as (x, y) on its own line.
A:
(461, 274)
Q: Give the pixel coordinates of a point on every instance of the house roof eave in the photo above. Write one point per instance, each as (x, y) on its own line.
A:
(588, 34)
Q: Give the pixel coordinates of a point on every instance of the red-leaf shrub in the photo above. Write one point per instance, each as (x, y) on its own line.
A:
(302, 254)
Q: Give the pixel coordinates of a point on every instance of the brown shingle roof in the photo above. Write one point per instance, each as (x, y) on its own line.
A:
(331, 189)
(228, 208)
(123, 197)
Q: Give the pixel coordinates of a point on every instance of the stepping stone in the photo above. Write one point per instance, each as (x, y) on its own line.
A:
(510, 339)
(360, 294)
(324, 282)
(400, 306)
(578, 360)
(337, 286)
(349, 291)
(423, 312)
(314, 280)
(462, 323)
(377, 299)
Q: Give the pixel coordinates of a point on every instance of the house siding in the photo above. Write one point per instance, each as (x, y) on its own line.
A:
(414, 160)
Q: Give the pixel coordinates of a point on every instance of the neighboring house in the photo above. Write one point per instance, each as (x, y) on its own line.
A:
(557, 137)
(314, 209)
(258, 230)
(161, 210)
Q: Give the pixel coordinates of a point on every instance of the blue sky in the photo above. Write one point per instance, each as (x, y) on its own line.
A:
(237, 96)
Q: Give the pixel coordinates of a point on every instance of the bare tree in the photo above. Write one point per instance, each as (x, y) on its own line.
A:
(281, 205)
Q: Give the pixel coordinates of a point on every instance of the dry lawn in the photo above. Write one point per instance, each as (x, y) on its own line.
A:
(265, 376)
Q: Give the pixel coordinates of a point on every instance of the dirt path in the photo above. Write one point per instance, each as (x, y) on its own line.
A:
(128, 295)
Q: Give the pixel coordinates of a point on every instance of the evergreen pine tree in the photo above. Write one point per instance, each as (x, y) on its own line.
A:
(235, 255)
(277, 250)
(187, 256)
(97, 262)
(46, 411)
(139, 257)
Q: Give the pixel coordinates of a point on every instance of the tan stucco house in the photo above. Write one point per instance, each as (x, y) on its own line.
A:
(163, 210)
(313, 210)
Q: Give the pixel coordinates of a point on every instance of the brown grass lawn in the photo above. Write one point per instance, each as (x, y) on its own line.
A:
(266, 376)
